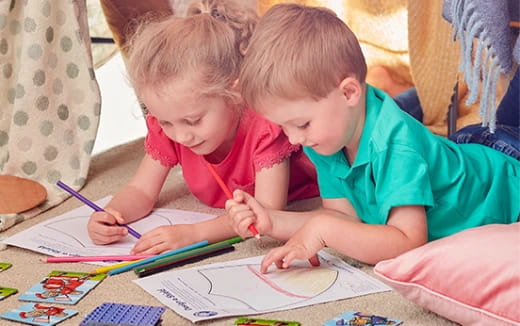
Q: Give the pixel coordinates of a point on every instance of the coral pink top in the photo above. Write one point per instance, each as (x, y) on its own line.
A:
(258, 144)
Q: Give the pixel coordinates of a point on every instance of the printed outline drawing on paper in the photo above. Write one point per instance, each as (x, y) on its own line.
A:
(282, 287)
(75, 227)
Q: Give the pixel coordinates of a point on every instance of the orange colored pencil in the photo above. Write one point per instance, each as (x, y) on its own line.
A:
(228, 193)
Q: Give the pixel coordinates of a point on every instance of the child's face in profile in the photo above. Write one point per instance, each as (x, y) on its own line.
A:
(326, 125)
(204, 124)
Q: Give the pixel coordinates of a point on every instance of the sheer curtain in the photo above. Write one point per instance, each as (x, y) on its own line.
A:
(50, 101)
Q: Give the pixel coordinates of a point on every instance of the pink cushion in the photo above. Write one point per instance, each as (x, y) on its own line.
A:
(472, 277)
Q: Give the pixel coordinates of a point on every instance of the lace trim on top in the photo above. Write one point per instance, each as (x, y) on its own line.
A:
(158, 156)
(279, 156)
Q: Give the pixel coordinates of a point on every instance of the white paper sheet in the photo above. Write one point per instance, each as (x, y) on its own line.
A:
(66, 235)
(238, 288)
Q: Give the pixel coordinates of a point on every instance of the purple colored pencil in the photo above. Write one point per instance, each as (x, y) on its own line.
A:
(92, 205)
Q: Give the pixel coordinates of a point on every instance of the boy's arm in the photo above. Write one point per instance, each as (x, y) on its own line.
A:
(406, 229)
(285, 224)
(137, 198)
(342, 207)
(245, 209)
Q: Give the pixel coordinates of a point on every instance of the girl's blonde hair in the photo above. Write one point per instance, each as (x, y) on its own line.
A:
(206, 47)
(299, 52)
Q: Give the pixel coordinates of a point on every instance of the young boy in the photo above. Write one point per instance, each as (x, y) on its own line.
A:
(387, 183)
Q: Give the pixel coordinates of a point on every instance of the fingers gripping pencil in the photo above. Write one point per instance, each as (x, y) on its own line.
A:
(228, 193)
(92, 205)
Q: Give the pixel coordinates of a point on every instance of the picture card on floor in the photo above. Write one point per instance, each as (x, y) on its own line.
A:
(62, 287)
(5, 292)
(238, 288)
(359, 318)
(39, 314)
(251, 321)
(4, 266)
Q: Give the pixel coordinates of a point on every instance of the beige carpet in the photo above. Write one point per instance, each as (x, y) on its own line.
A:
(108, 172)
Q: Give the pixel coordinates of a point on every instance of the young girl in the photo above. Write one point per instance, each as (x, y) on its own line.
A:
(185, 70)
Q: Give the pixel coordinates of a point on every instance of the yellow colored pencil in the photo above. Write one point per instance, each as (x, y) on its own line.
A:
(105, 269)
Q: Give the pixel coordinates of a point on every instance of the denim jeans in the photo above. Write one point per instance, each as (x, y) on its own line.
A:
(508, 111)
(408, 101)
(506, 137)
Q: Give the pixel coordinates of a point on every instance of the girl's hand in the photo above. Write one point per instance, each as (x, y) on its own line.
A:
(164, 238)
(103, 229)
(304, 244)
(244, 210)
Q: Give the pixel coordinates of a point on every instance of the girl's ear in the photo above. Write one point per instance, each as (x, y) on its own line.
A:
(352, 90)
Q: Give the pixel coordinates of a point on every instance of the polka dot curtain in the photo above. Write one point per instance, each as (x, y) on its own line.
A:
(49, 98)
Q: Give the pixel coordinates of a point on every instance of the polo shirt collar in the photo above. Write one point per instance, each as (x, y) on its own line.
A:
(373, 100)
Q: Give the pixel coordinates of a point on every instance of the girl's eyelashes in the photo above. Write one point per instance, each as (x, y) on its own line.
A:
(192, 122)
(165, 123)
(303, 126)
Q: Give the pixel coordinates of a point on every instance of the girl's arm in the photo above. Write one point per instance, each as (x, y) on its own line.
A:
(406, 229)
(272, 185)
(272, 190)
(137, 198)
(168, 237)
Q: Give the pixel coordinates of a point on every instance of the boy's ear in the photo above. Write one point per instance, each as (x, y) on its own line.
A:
(235, 86)
(352, 90)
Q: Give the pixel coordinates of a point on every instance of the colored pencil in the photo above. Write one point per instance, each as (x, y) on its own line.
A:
(189, 254)
(228, 193)
(105, 269)
(156, 257)
(93, 206)
(142, 272)
(74, 259)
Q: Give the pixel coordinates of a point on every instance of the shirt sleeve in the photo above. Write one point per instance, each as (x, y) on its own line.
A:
(401, 178)
(272, 145)
(158, 145)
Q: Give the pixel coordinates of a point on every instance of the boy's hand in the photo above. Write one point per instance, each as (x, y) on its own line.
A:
(103, 229)
(244, 210)
(304, 244)
(164, 238)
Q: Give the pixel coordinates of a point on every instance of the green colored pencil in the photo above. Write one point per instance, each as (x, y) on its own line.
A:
(182, 262)
(188, 254)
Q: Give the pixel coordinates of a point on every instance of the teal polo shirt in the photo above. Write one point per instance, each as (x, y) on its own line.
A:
(400, 162)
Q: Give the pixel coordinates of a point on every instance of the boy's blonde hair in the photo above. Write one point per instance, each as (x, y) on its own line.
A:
(206, 48)
(299, 52)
